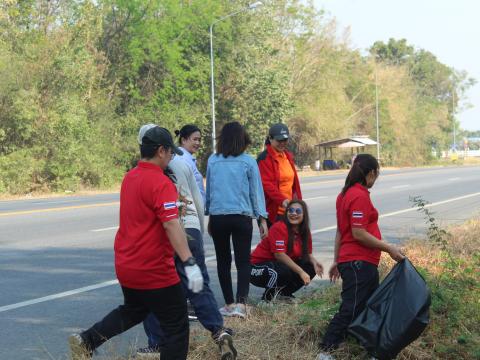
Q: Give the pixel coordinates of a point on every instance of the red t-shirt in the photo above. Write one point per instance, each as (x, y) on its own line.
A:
(143, 253)
(277, 242)
(355, 209)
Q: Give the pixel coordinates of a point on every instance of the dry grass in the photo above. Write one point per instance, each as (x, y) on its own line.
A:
(270, 332)
(293, 331)
(285, 332)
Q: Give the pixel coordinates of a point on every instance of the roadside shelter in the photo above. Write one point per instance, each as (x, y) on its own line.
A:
(354, 143)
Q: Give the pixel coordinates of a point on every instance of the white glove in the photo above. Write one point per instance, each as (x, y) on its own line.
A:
(195, 278)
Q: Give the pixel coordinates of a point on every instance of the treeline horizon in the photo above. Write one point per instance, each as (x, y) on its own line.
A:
(79, 77)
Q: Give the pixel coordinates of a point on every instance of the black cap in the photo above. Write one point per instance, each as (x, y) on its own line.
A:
(279, 132)
(152, 134)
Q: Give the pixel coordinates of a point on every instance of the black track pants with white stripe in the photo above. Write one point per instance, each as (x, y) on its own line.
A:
(276, 277)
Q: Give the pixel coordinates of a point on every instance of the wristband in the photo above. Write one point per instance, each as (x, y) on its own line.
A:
(190, 261)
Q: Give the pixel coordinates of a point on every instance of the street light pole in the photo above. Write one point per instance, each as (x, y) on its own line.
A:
(212, 81)
(453, 118)
(376, 114)
(212, 85)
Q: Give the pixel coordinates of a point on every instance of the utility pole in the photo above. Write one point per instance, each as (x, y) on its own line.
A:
(212, 81)
(376, 114)
(212, 89)
(453, 119)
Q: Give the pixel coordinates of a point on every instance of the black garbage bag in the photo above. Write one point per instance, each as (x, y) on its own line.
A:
(396, 313)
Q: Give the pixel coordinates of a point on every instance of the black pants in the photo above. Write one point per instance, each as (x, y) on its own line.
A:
(277, 277)
(360, 280)
(204, 304)
(239, 228)
(169, 306)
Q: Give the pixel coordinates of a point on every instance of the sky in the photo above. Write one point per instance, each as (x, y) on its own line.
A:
(450, 29)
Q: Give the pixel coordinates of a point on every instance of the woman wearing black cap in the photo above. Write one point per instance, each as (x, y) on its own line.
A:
(279, 176)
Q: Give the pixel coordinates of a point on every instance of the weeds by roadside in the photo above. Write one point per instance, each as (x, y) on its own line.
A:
(293, 331)
(450, 263)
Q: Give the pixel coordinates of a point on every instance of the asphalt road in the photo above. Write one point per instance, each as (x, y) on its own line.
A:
(56, 268)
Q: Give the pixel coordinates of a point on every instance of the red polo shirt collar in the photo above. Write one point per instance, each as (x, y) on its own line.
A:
(148, 165)
(361, 187)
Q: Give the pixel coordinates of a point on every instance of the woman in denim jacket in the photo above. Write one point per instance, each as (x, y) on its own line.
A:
(234, 197)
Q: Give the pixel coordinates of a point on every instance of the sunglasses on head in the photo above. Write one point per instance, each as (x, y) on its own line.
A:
(297, 211)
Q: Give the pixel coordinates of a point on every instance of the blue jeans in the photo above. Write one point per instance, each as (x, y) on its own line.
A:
(204, 303)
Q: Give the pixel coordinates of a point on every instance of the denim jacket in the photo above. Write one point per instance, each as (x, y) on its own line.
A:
(234, 186)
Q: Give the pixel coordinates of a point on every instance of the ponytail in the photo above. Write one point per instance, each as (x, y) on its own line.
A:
(185, 132)
(361, 167)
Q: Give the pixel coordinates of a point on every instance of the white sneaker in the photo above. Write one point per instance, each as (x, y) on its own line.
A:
(324, 356)
(224, 341)
(226, 310)
(147, 353)
(239, 311)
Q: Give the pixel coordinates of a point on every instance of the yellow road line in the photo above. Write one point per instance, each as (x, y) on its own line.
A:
(26, 212)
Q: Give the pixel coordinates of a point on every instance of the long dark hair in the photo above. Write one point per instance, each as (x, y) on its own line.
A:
(186, 131)
(362, 165)
(303, 229)
(233, 139)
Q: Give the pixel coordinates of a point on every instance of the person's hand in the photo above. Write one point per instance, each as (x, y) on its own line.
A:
(305, 278)
(285, 203)
(182, 209)
(333, 273)
(195, 278)
(263, 228)
(395, 253)
(182, 205)
(318, 268)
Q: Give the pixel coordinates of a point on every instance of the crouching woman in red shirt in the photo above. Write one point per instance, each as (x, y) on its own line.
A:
(283, 262)
(358, 247)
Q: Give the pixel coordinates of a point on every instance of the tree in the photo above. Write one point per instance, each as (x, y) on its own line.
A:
(395, 52)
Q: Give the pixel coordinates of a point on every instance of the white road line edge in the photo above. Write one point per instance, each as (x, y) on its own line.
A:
(400, 186)
(56, 201)
(315, 198)
(407, 210)
(58, 296)
(208, 259)
(105, 229)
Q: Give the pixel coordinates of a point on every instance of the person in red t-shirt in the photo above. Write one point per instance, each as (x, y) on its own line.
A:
(148, 237)
(357, 252)
(283, 262)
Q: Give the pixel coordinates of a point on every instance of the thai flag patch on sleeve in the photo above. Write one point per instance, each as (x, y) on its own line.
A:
(169, 205)
(280, 245)
(357, 214)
